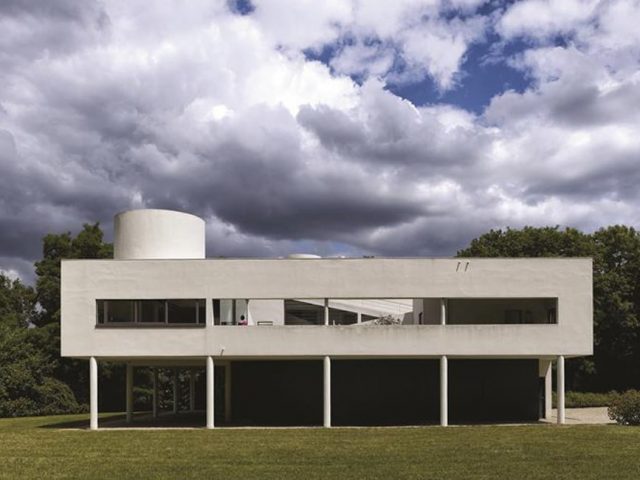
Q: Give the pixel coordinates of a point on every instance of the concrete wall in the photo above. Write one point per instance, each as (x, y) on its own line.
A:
(266, 311)
(569, 280)
(152, 233)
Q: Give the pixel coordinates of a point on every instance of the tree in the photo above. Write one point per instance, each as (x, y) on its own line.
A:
(34, 379)
(616, 284)
(87, 244)
(27, 384)
(17, 303)
(531, 242)
(617, 306)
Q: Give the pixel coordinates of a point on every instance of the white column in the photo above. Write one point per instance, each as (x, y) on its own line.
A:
(175, 390)
(227, 393)
(192, 390)
(444, 391)
(208, 311)
(93, 393)
(327, 392)
(210, 411)
(548, 393)
(154, 398)
(129, 393)
(560, 388)
(359, 317)
(326, 311)
(443, 311)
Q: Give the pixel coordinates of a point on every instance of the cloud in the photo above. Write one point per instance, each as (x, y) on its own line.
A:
(231, 117)
(397, 41)
(11, 274)
(544, 19)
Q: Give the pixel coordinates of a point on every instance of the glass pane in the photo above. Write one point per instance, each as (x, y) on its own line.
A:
(216, 312)
(303, 313)
(202, 311)
(372, 311)
(513, 311)
(513, 316)
(120, 311)
(342, 317)
(182, 311)
(99, 311)
(151, 311)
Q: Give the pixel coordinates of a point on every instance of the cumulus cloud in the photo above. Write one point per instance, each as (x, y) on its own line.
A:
(279, 128)
(425, 37)
(544, 19)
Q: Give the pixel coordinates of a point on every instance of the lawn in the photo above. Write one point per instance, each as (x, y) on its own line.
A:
(40, 448)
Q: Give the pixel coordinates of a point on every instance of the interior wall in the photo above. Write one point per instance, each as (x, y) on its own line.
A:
(266, 312)
(431, 311)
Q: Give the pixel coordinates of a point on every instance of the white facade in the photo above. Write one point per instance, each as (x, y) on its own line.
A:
(420, 293)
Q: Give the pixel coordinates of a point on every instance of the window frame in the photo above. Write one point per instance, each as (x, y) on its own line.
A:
(102, 308)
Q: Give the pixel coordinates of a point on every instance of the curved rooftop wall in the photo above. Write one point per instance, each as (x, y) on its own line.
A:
(158, 234)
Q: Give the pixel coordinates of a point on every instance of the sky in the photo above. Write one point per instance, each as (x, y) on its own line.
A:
(342, 127)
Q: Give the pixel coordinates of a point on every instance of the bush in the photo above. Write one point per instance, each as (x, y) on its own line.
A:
(625, 408)
(56, 397)
(589, 399)
(586, 399)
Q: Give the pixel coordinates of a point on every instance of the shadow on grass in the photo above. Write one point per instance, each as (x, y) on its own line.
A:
(189, 420)
(82, 422)
(140, 420)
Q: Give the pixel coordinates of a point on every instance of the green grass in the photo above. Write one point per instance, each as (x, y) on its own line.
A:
(36, 448)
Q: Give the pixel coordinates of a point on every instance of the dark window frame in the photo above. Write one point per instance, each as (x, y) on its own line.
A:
(199, 309)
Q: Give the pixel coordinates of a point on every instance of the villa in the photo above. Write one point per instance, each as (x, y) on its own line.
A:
(305, 340)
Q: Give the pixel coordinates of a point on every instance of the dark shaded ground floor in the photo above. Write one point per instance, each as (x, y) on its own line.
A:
(383, 392)
(366, 393)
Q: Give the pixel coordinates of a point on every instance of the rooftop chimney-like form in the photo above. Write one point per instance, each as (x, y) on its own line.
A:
(158, 234)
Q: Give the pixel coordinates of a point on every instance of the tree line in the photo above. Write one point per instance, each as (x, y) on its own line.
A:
(35, 380)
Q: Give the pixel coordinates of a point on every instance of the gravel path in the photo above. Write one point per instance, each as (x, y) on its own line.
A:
(583, 416)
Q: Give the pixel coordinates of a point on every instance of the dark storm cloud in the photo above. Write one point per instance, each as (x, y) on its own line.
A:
(574, 104)
(264, 186)
(37, 200)
(402, 140)
(35, 29)
(618, 183)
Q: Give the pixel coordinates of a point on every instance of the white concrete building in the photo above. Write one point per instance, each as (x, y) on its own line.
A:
(307, 340)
